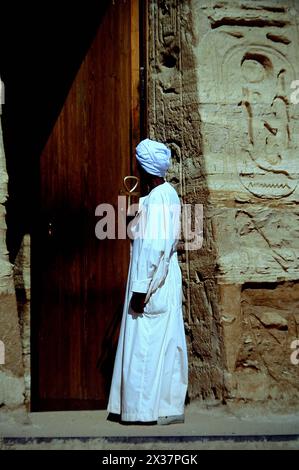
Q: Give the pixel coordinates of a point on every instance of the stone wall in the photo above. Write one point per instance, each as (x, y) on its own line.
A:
(174, 118)
(11, 372)
(220, 77)
(22, 282)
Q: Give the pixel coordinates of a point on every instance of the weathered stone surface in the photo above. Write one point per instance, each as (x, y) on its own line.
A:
(6, 280)
(11, 373)
(174, 117)
(272, 319)
(247, 61)
(231, 320)
(269, 325)
(11, 389)
(23, 291)
(220, 86)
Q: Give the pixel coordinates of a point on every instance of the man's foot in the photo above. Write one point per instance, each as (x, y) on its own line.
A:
(176, 419)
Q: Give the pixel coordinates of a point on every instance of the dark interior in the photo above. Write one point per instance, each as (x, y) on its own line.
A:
(41, 48)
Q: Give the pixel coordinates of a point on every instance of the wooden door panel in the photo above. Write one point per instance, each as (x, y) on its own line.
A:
(80, 280)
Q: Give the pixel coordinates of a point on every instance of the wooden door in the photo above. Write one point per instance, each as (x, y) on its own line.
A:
(78, 280)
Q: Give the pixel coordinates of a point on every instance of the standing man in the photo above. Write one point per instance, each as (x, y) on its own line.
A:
(150, 373)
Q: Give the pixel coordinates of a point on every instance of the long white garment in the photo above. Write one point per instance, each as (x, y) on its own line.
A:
(150, 375)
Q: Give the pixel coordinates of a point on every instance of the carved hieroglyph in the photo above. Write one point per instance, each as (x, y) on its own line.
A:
(267, 163)
(247, 60)
(245, 75)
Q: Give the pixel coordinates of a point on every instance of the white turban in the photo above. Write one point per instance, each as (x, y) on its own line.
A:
(154, 157)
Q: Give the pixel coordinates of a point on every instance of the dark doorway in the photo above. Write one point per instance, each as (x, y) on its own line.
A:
(78, 280)
(77, 146)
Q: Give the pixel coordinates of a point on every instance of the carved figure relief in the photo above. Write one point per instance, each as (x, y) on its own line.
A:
(267, 161)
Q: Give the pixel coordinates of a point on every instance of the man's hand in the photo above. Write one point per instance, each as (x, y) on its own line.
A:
(138, 301)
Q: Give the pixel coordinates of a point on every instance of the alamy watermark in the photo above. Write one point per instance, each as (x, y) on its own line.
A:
(153, 222)
(295, 354)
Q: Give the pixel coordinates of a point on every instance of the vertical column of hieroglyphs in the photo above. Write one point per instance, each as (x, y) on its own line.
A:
(174, 119)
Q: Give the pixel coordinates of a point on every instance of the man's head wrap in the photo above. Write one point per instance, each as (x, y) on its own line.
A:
(154, 157)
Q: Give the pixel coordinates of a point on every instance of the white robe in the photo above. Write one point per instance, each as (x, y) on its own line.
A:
(150, 373)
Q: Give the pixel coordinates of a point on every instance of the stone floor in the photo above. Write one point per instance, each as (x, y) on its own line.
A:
(209, 427)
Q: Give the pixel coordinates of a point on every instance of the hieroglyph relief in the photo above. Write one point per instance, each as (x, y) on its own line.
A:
(269, 152)
(245, 84)
(247, 63)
